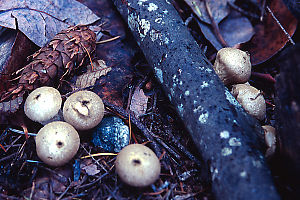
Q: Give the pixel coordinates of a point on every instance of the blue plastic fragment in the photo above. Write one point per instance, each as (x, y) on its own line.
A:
(111, 134)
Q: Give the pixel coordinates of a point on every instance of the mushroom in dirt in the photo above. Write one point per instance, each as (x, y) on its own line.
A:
(232, 66)
(270, 139)
(137, 165)
(251, 100)
(57, 143)
(83, 110)
(43, 105)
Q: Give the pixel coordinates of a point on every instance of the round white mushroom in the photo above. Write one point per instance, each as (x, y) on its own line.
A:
(57, 143)
(232, 66)
(137, 165)
(83, 110)
(43, 105)
(270, 139)
(251, 100)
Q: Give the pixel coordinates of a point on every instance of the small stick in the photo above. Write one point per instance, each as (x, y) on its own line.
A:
(138, 124)
(108, 40)
(277, 21)
(244, 12)
(215, 26)
(262, 10)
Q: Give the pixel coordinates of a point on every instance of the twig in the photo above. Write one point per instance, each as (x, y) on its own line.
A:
(137, 123)
(244, 12)
(262, 10)
(277, 21)
(266, 77)
(7, 157)
(108, 40)
(21, 132)
(66, 190)
(215, 26)
(92, 183)
(93, 158)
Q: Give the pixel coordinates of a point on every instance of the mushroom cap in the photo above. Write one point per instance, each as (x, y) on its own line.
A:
(270, 135)
(42, 104)
(137, 165)
(232, 66)
(83, 110)
(251, 100)
(57, 143)
(270, 139)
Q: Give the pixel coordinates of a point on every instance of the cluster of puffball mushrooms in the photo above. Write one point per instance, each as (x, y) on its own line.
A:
(234, 68)
(58, 141)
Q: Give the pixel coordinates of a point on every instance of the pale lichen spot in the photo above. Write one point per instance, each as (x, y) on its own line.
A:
(152, 7)
(232, 100)
(234, 142)
(180, 82)
(243, 174)
(203, 117)
(199, 108)
(159, 74)
(158, 20)
(144, 27)
(224, 134)
(172, 91)
(179, 71)
(256, 163)
(140, 3)
(187, 93)
(180, 108)
(204, 84)
(226, 151)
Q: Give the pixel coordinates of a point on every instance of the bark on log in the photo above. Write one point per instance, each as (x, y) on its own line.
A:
(228, 139)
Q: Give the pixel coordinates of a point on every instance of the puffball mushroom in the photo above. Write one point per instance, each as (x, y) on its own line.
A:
(232, 66)
(83, 110)
(57, 143)
(43, 104)
(137, 165)
(270, 139)
(251, 100)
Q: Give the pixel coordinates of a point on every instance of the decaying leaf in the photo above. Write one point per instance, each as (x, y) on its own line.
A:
(219, 9)
(65, 52)
(11, 106)
(91, 169)
(41, 20)
(269, 38)
(139, 102)
(94, 72)
(15, 47)
(235, 29)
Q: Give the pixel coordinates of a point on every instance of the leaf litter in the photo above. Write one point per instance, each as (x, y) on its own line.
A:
(94, 72)
(41, 20)
(99, 180)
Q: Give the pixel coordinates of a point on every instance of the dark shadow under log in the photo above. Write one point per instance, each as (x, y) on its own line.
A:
(229, 140)
(288, 116)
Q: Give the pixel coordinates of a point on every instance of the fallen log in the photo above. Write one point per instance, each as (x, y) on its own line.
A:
(228, 139)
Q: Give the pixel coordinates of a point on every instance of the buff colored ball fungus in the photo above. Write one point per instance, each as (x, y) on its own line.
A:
(270, 139)
(137, 165)
(232, 66)
(43, 105)
(251, 100)
(83, 110)
(57, 143)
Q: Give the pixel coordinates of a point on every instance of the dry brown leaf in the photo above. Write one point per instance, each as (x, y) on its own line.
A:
(139, 102)
(93, 73)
